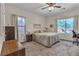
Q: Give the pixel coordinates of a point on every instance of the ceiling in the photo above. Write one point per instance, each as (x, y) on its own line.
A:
(36, 7)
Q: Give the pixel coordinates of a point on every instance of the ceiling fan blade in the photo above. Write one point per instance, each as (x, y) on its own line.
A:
(50, 4)
(63, 8)
(44, 7)
(57, 6)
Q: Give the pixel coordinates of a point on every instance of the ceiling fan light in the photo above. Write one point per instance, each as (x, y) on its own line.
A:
(50, 8)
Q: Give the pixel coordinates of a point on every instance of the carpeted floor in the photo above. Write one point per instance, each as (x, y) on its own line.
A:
(63, 48)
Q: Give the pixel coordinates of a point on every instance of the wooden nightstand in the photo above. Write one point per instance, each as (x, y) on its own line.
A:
(28, 37)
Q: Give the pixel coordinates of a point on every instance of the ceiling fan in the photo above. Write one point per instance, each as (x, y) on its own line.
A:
(51, 6)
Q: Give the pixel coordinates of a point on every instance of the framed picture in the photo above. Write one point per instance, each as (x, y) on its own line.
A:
(37, 26)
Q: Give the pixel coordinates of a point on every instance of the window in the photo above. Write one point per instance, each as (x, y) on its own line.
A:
(65, 25)
(69, 25)
(61, 25)
(21, 28)
(21, 24)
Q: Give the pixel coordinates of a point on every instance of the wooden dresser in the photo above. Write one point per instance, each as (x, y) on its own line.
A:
(12, 48)
(10, 33)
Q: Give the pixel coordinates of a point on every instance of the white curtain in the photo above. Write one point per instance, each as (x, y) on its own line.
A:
(14, 23)
(76, 23)
(2, 24)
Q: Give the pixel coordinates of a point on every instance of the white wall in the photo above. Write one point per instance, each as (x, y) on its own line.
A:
(51, 21)
(31, 18)
(73, 13)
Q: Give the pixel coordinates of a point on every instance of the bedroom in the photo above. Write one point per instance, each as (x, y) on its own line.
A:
(33, 19)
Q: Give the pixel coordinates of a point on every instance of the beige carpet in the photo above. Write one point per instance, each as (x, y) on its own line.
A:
(63, 48)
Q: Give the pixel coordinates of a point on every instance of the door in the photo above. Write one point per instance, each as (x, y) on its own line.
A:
(21, 29)
(10, 33)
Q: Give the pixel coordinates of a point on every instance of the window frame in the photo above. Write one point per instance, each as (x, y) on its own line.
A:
(19, 26)
(57, 24)
(65, 24)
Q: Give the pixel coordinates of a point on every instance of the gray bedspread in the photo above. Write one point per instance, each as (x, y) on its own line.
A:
(46, 39)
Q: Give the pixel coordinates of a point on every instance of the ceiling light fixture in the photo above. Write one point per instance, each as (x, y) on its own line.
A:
(50, 8)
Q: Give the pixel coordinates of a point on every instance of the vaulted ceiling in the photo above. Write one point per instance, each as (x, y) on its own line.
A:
(36, 7)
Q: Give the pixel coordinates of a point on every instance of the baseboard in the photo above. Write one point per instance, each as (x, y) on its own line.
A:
(23, 42)
(66, 40)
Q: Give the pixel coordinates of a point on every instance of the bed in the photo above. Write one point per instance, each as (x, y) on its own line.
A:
(47, 39)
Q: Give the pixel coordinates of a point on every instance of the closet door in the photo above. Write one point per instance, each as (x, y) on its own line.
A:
(10, 33)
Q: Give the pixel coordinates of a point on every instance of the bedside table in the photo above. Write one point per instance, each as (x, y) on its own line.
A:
(28, 37)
